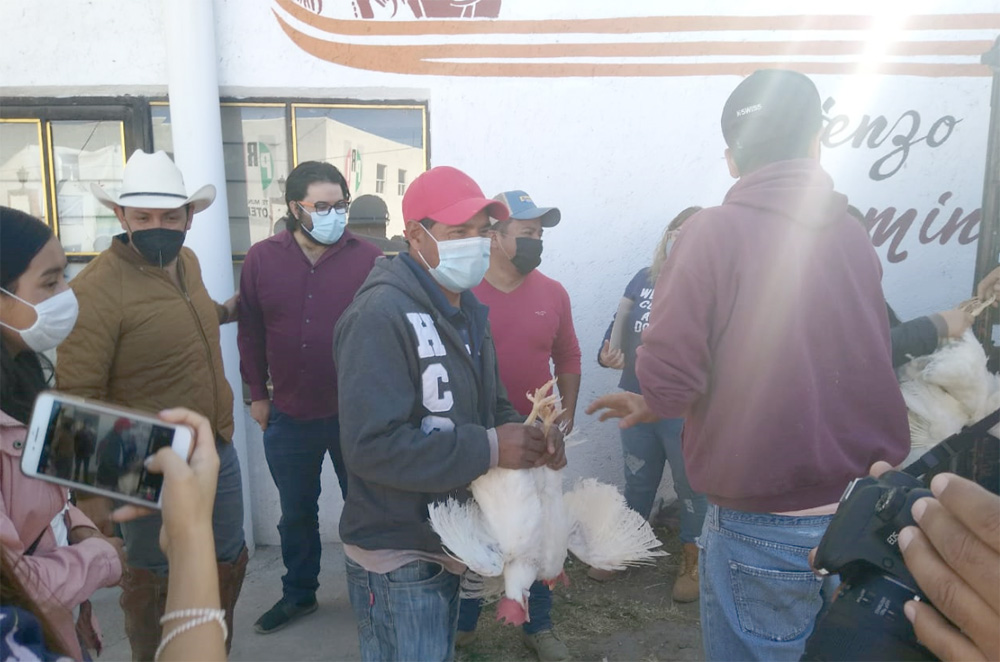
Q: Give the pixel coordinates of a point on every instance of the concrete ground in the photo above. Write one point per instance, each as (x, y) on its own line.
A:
(330, 633)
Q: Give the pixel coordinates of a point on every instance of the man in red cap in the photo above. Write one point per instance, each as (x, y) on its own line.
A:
(422, 415)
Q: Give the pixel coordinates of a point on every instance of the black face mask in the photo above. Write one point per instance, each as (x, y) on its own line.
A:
(528, 255)
(159, 246)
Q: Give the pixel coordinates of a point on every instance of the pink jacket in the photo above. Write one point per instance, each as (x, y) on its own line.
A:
(58, 578)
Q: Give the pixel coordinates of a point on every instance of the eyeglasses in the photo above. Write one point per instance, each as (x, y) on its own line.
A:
(324, 208)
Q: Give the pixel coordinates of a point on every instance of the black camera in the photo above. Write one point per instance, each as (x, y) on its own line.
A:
(866, 620)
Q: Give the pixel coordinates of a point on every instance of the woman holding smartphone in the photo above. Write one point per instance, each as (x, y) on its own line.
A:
(56, 551)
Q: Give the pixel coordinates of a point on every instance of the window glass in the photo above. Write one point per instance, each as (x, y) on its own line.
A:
(255, 148)
(380, 178)
(22, 181)
(365, 143)
(85, 153)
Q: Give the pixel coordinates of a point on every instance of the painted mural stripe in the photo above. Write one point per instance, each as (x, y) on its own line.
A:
(627, 25)
(774, 36)
(419, 60)
(972, 49)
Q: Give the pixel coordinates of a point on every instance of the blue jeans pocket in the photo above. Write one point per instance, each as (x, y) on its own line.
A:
(415, 573)
(778, 605)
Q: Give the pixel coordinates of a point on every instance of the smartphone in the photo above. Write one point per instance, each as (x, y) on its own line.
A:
(99, 448)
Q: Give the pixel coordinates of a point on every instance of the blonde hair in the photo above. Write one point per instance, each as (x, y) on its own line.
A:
(660, 255)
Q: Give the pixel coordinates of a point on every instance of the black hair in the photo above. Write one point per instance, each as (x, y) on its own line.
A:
(26, 374)
(753, 157)
(299, 180)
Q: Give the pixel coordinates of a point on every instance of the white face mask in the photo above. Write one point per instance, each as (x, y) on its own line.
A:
(463, 262)
(54, 320)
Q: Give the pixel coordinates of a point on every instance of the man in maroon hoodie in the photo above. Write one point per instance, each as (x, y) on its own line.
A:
(769, 335)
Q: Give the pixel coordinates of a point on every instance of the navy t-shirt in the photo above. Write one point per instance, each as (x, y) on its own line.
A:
(640, 291)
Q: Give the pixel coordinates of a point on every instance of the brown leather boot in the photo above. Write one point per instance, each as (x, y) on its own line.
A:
(686, 586)
(230, 583)
(144, 597)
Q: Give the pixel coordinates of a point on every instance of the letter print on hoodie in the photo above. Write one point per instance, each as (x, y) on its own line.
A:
(437, 397)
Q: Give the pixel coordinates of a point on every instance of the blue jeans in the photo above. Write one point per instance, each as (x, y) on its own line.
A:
(647, 447)
(294, 450)
(539, 611)
(407, 614)
(759, 599)
(142, 536)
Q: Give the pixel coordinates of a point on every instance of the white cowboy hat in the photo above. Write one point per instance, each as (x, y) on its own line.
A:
(153, 181)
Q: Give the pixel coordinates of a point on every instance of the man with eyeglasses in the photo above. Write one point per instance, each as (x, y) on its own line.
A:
(293, 289)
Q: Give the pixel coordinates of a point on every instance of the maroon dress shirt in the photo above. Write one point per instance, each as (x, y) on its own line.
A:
(288, 309)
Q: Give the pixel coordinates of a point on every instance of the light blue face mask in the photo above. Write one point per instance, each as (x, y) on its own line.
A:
(463, 262)
(328, 228)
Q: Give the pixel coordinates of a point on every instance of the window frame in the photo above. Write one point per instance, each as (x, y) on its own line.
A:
(131, 112)
(137, 127)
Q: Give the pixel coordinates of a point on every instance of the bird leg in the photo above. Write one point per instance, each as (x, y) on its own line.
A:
(550, 418)
(562, 577)
(974, 306)
(541, 404)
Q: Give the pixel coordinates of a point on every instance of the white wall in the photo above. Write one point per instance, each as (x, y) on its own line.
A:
(619, 156)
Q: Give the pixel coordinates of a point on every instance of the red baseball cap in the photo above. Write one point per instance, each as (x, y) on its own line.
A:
(449, 196)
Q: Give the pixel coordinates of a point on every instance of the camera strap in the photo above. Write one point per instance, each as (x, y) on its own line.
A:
(954, 445)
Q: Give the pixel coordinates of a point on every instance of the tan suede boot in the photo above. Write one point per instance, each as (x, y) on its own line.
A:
(686, 586)
(230, 584)
(143, 599)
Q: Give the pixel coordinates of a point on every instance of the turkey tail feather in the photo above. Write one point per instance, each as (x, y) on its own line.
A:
(606, 533)
(465, 536)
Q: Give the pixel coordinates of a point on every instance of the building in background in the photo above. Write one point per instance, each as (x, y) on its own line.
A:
(610, 110)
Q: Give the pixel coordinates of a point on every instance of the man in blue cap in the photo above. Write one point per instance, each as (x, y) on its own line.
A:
(532, 325)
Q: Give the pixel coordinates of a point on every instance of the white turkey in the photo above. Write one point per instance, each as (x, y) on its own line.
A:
(946, 391)
(519, 526)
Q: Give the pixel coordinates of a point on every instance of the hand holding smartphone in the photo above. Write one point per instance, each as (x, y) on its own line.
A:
(99, 448)
(188, 490)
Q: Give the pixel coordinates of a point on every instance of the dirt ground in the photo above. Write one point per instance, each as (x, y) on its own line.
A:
(629, 618)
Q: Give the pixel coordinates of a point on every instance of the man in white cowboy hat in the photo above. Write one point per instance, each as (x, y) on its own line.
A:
(148, 338)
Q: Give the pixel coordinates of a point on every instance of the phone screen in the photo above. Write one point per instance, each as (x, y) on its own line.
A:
(103, 449)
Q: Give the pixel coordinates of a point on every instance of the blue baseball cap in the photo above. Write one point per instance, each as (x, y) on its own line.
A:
(522, 208)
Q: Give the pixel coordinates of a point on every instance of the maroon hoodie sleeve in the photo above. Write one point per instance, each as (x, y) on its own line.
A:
(673, 363)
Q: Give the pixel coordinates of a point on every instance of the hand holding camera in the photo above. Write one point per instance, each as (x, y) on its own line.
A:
(920, 568)
(954, 554)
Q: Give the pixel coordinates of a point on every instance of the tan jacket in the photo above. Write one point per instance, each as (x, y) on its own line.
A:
(141, 342)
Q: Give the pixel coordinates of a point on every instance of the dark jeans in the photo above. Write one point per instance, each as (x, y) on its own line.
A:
(407, 614)
(81, 468)
(539, 611)
(647, 447)
(142, 536)
(294, 450)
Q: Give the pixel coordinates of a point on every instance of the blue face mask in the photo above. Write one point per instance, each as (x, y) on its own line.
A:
(463, 262)
(326, 229)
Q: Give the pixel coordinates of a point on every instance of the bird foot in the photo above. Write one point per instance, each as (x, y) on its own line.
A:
(551, 583)
(510, 611)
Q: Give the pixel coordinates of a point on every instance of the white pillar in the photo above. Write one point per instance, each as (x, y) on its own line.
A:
(196, 126)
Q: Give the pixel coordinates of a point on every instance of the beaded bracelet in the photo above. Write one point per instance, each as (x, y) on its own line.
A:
(198, 617)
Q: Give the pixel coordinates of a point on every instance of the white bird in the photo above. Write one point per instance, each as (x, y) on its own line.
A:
(946, 391)
(519, 526)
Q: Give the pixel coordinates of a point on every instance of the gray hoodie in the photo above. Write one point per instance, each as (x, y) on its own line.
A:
(414, 411)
